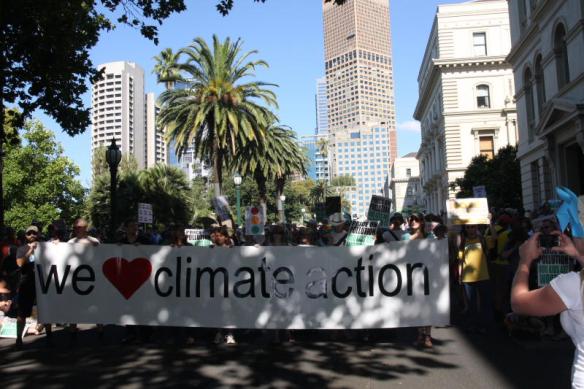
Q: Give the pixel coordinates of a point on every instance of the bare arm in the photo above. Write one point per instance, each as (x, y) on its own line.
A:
(24, 259)
(539, 302)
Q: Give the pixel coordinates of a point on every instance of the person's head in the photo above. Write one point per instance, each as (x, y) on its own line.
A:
(178, 234)
(80, 228)
(306, 237)
(504, 220)
(277, 235)
(440, 231)
(416, 223)
(31, 234)
(54, 231)
(471, 231)
(131, 227)
(547, 226)
(396, 221)
(220, 236)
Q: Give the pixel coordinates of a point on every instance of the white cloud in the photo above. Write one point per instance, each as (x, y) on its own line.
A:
(410, 126)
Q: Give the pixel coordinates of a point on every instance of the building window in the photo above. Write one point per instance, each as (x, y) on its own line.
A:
(408, 173)
(539, 84)
(480, 43)
(529, 104)
(483, 96)
(561, 54)
(487, 147)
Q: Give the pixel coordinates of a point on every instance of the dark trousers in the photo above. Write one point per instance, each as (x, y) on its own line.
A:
(480, 306)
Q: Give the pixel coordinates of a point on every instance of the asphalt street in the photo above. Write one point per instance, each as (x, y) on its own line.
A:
(317, 359)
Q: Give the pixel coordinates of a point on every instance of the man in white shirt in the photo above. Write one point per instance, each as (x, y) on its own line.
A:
(81, 235)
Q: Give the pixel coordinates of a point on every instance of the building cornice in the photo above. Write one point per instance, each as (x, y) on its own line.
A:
(492, 61)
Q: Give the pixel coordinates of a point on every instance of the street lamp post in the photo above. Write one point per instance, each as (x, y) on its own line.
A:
(237, 179)
(303, 210)
(281, 209)
(113, 156)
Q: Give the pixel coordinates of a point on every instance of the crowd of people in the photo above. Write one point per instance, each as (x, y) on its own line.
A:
(483, 261)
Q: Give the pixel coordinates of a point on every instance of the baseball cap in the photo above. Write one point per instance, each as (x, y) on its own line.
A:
(31, 228)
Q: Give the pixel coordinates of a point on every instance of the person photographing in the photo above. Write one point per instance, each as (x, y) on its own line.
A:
(562, 296)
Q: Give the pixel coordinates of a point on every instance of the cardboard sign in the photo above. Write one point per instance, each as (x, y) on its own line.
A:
(254, 221)
(550, 265)
(221, 206)
(479, 191)
(198, 237)
(320, 211)
(362, 234)
(383, 286)
(467, 211)
(380, 210)
(333, 205)
(145, 214)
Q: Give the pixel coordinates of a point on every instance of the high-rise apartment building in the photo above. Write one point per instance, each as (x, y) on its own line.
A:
(122, 111)
(318, 168)
(321, 104)
(361, 108)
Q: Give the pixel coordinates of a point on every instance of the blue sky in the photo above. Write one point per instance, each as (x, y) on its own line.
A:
(289, 35)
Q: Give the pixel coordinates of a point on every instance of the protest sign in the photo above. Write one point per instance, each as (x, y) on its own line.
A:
(221, 206)
(550, 265)
(145, 214)
(362, 234)
(379, 210)
(333, 205)
(468, 211)
(198, 237)
(383, 286)
(479, 191)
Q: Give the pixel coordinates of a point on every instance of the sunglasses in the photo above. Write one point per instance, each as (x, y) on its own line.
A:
(31, 233)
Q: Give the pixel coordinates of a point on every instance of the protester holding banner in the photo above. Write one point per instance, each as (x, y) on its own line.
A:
(563, 295)
(475, 279)
(395, 232)
(25, 293)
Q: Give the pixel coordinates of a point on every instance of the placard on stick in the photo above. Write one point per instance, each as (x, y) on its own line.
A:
(333, 205)
(362, 233)
(379, 210)
(468, 211)
(145, 215)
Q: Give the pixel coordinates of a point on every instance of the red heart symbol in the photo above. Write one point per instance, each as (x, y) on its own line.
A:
(127, 276)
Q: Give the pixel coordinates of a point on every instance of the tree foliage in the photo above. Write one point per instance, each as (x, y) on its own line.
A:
(40, 183)
(501, 176)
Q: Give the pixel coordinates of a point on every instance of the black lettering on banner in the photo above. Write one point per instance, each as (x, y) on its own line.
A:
(410, 269)
(358, 271)
(398, 277)
(250, 282)
(321, 282)
(371, 279)
(335, 291)
(53, 273)
(188, 280)
(288, 280)
(90, 277)
(212, 273)
(263, 271)
(178, 271)
(156, 285)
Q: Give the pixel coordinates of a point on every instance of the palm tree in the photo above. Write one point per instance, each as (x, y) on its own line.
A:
(275, 158)
(217, 110)
(322, 145)
(167, 189)
(320, 192)
(166, 68)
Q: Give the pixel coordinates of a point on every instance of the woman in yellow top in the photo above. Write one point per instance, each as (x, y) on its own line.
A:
(475, 279)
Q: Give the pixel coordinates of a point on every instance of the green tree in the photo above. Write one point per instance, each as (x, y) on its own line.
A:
(40, 181)
(218, 109)
(501, 177)
(44, 54)
(323, 145)
(166, 68)
(167, 189)
(320, 191)
(200, 200)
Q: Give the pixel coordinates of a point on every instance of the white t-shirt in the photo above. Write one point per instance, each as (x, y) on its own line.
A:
(567, 286)
(86, 240)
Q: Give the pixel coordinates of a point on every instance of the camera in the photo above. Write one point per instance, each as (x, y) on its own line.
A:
(548, 241)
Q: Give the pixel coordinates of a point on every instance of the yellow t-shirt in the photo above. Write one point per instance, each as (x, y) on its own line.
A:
(474, 267)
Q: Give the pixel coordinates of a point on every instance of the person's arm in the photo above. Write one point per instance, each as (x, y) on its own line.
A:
(539, 302)
(25, 254)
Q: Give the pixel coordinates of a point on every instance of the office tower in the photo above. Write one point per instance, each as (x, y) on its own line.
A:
(361, 110)
(156, 147)
(318, 168)
(321, 107)
(466, 105)
(118, 109)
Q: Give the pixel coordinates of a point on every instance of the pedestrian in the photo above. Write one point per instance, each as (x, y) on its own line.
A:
(563, 295)
(475, 279)
(395, 232)
(25, 292)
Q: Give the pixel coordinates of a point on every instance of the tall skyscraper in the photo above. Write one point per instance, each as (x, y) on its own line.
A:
(361, 108)
(122, 111)
(321, 107)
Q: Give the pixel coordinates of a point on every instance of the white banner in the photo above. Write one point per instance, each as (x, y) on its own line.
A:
(383, 286)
